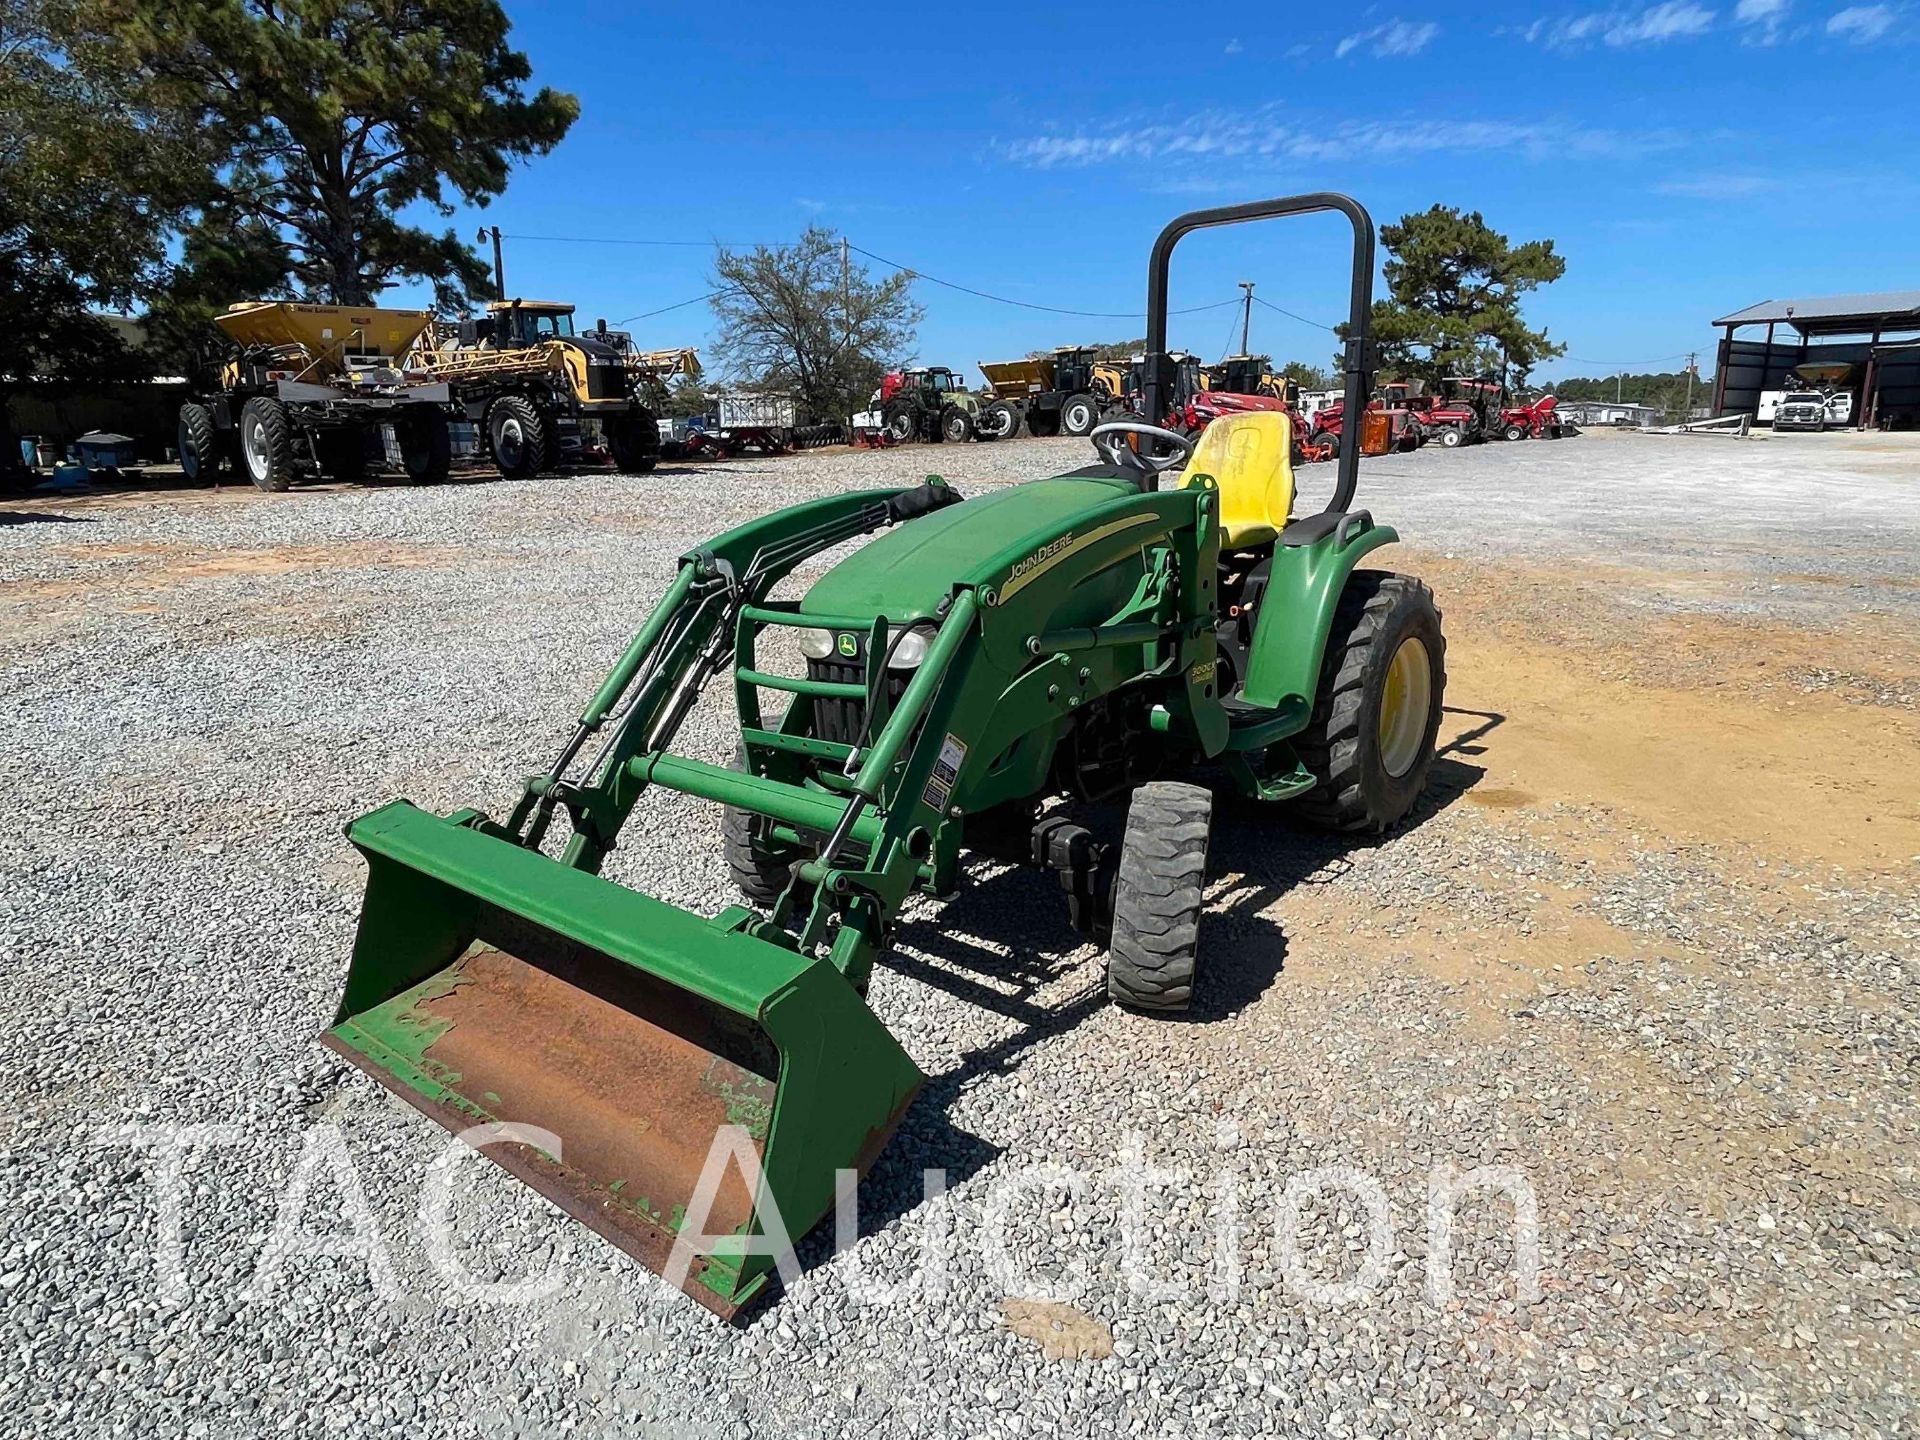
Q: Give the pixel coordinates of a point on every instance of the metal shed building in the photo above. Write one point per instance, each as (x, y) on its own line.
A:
(1826, 329)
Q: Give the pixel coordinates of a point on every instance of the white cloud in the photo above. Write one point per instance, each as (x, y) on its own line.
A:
(1263, 135)
(1862, 23)
(1720, 187)
(1763, 19)
(1670, 20)
(1396, 37)
(1234, 47)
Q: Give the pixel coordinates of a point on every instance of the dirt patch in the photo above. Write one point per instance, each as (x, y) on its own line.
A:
(1618, 621)
(1062, 1332)
(1795, 742)
(1798, 777)
(158, 563)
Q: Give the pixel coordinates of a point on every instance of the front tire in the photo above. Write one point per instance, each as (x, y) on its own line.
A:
(517, 437)
(1079, 415)
(1161, 890)
(266, 443)
(198, 443)
(426, 447)
(1370, 741)
(956, 426)
(1514, 432)
(759, 875)
(1451, 436)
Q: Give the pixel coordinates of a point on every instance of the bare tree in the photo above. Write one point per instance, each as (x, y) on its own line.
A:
(805, 318)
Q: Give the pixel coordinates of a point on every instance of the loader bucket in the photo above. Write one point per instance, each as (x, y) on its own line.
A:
(491, 984)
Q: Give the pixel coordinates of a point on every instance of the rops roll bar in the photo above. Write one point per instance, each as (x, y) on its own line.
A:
(1356, 361)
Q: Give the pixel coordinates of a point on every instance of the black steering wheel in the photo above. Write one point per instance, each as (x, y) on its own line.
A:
(1106, 441)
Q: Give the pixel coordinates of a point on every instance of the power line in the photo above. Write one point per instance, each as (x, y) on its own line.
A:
(1227, 349)
(1289, 314)
(612, 240)
(677, 305)
(914, 271)
(1611, 365)
(1028, 304)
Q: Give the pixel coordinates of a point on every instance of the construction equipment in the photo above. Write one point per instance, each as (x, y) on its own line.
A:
(306, 391)
(1464, 410)
(1251, 375)
(545, 396)
(1536, 419)
(1069, 637)
(927, 402)
(1072, 389)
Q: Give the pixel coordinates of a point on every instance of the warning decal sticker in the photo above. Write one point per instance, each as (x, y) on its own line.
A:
(946, 771)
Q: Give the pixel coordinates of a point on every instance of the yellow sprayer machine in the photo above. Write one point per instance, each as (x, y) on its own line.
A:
(308, 389)
(543, 394)
(1072, 389)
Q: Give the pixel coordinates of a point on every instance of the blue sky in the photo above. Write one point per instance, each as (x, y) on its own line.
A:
(1689, 157)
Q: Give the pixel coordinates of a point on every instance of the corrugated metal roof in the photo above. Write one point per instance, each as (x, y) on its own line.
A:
(1827, 307)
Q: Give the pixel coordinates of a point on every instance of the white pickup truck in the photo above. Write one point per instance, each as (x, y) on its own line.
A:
(1836, 408)
(1813, 410)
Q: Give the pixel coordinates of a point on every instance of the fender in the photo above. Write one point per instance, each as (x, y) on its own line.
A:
(1303, 589)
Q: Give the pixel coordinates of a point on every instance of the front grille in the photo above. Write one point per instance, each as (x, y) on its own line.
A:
(845, 721)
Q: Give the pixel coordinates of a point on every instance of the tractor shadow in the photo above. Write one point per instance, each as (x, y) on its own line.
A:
(41, 517)
(1263, 855)
(1005, 937)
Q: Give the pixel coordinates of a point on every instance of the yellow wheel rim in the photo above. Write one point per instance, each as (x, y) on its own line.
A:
(1405, 707)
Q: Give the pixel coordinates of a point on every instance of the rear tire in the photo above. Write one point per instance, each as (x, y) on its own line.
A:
(198, 443)
(1079, 415)
(628, 438)
(517, 437)
(1369, 750)
(758, 875)
(266, 443)
(342, 455)
(426, 447)
(1161, 890)
(1043, 424)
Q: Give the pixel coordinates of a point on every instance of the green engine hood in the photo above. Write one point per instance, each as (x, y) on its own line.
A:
(906, 572)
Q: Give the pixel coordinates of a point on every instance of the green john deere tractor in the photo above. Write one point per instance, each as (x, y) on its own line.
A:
(1117, 631)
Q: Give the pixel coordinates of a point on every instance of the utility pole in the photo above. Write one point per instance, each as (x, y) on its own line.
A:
(846, 297)
(1246, 317)
(1690, 372)
(499, 265)
(1621, 375)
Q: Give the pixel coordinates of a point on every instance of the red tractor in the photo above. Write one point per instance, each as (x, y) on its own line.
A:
(1206, 405)
(1463, 411)
(1537, 420)
(1389, 423)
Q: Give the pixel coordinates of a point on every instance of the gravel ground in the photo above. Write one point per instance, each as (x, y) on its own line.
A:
(1699, 1055)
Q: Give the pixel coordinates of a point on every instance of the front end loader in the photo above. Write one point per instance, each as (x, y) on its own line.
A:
(1125, 631)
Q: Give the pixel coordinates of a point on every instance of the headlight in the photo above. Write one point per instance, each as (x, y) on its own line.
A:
(910, 649)
(816, 644)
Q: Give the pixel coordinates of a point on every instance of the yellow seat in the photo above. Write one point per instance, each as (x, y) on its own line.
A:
(1250, 457)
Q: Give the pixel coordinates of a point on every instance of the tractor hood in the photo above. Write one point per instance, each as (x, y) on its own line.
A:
(906, 572)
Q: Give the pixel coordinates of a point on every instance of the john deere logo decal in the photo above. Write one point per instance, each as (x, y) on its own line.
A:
(849, 646)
